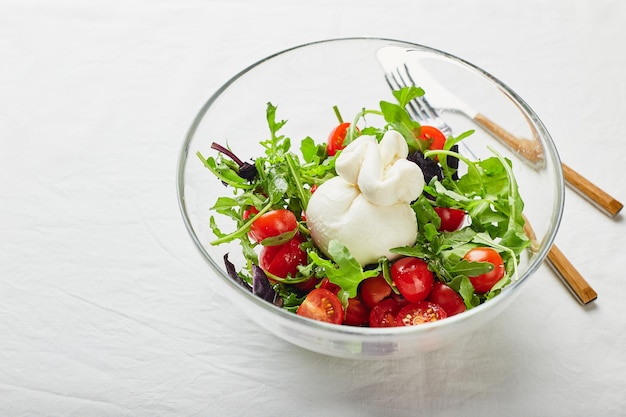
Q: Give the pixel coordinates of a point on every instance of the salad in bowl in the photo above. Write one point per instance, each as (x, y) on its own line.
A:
(333, 219)
(379, 226)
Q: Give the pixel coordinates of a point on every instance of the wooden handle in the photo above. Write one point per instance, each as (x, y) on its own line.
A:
(533, 152)
(529, 149)
(563, 268)
(572, 278)
(590, 191)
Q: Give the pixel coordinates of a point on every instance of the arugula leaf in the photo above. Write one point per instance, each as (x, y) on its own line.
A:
(290, 300)
(273, 124)
(309, 149)
(226, 173)
(471, 269)
(343, 270)
(400, 120)
(406, 94)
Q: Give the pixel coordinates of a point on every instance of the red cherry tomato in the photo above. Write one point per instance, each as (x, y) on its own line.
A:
(308, 285)
(451, 218)
(447, 298)
(418, 313)
(432, 134)
(334, 288)
(336, 138)
(384, 313)
(274, 227)
(483, 283)
(374, 290)
(249, 212)
(283, 260)
(412, 278)
(399, 299)
(322, 305)
(357, 313)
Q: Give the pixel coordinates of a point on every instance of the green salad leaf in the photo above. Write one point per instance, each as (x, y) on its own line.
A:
(343, 269)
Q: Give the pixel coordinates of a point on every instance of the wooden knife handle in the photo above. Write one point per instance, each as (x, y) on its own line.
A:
(563, 268)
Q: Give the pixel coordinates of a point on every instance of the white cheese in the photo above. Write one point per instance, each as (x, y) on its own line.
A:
(366, 207)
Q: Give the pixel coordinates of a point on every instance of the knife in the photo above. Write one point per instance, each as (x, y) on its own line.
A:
(530, 149)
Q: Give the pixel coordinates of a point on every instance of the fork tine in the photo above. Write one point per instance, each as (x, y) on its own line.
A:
(419, 107)
(424, 104)
(396, 82)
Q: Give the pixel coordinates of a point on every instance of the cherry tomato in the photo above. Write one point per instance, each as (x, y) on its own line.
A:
(334, 288)
(418, 313)
(447, 298)
(308, 285)
(321, 304)
(357, 313)
(399, 299)
(249, 212)
(274, 227)
(432, 134)
(412, 278)
(384, 313)
(374, 290)
(483, 283)
(336, 138)
(451, 218)
(283, 260)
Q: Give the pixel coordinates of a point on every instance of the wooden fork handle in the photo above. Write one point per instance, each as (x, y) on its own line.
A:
(533, 152)
(563, 268)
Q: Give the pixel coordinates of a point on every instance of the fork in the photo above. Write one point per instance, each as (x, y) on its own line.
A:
(421, 110)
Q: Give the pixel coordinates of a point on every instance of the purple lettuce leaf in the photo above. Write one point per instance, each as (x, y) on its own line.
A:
(232, 272)
(261, 285)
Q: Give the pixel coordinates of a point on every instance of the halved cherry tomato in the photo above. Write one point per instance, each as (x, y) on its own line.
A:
(283, 260)
(374, 290)
(433, 134)
(447, 298)
(336, 138)
(322, 305)
(357, 313)
(274, 227)
(418, 313)
(451, 218)
(384, 313)
(412, 278)
(483, 283)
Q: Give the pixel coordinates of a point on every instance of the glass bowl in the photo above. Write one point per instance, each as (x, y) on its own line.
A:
(305, 82)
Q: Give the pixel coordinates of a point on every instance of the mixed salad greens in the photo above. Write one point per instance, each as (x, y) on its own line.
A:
(468, 219)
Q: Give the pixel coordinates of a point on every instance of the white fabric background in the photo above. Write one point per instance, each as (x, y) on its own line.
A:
(105, 308)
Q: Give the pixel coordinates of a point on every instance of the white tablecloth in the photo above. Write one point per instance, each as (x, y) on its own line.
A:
(105, 309)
